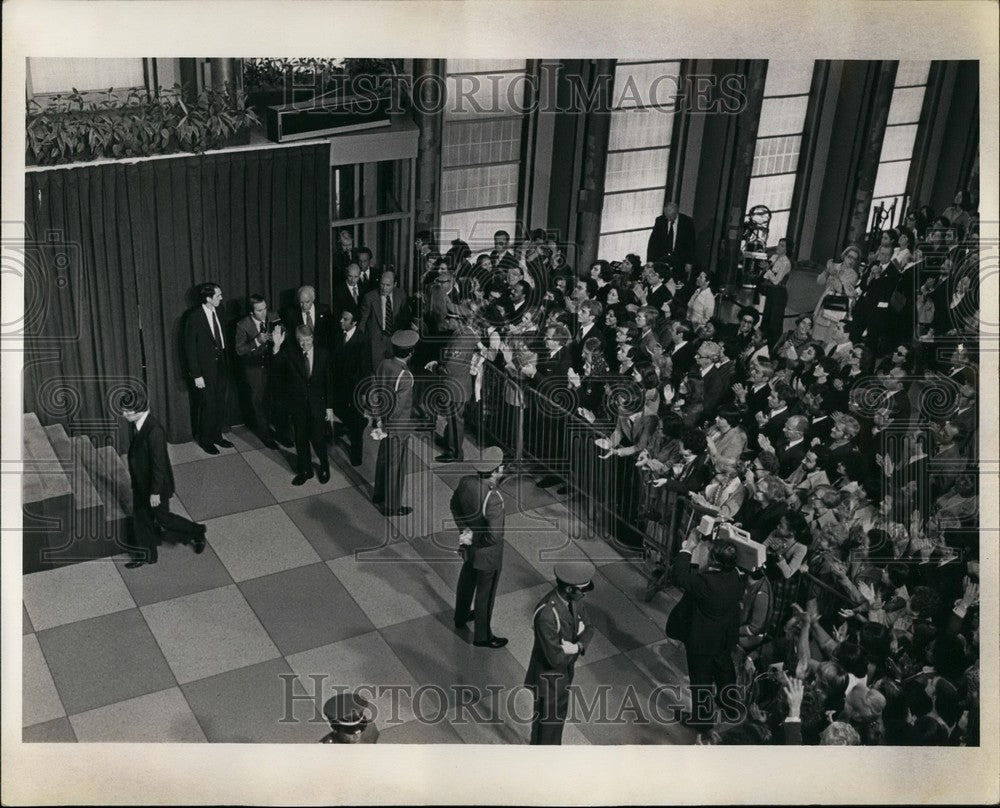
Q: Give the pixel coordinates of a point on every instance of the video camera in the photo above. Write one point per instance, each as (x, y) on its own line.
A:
(749, 554)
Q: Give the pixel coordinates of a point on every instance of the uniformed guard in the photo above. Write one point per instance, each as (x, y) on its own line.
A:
(562, 633)
(350, 720)
(394, 381)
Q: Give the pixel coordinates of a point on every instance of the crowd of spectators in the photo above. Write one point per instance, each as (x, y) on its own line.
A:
(846, 446)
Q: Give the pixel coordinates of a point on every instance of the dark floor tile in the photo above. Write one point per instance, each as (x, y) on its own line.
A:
(340, 523)
(57, 731)
(219, 486)
(104, 660)
(439, 552)
(305, 608)
(248, 705)
(178, 571)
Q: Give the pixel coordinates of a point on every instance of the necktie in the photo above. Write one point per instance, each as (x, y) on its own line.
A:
(309, 364)
(354, 293)
(670, 237)
(217, 331)
(260, 330)
(309, 319)
(387, 317)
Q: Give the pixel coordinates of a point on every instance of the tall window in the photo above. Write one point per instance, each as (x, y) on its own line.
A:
(635, 180)
(900, 137)
(481, 150)
(779, 138)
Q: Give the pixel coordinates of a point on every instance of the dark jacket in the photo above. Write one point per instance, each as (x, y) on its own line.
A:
(485, 519)
(200, 350)
(302, 390)
(149, 463)
(347, 365)
(553, 623)
(682, 250)
(716, 610)
(323, 327)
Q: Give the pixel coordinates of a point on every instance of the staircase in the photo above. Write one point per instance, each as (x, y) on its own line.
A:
(76, 498)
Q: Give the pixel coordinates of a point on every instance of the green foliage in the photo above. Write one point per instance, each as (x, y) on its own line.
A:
(71, 129)
(262, 74)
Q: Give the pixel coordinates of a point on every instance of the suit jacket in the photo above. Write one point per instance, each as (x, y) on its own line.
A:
(658, 296)
(347, 363)
(576, 346)
(343, 301)
(305, 392)
(717, 600)
(682, 358)
(551, 372)
(484, 517)
(773, 426)
(251, 352)
(324, 326)
(456, 363)
(149, 463)
(718, 388)
(554, 622)
(790, 459)
(378, 333)
(200, 350)
(682, 250)
(341, 260)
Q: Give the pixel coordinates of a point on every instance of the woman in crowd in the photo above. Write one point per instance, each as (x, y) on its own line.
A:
(791, 341)
(839, 281)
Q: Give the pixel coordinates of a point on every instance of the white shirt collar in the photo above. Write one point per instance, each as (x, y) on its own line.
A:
(141, 421)
(350, 332)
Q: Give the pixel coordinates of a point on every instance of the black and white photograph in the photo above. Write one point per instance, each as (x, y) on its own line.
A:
(601, 384)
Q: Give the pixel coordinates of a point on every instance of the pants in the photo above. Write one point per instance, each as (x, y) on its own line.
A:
(551, 705)
(708, 674)
(210, 406)
(256, 382)
(483, 583)
(148, 523)
(309, 431)
(454, 432)
(354, 424)
(390, 468)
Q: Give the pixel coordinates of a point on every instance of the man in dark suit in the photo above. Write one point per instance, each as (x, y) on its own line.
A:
(478, 509)
(152, 487)
(771, 422)
(384, 311)
(208, 367)
(793, 446)
(502, 257)
(344, 254)
(308, 387)
(317, 316)
(715, 602)
(346, 369)
(349, 293)
(562, 633)
(587, 316)
(455, 371)
(253, 348)
(546, 426)
(370, 273)
(394, 384)
(672, 239)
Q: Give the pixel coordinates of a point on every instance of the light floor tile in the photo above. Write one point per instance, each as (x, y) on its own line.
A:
(76, 592)
(260, 542)
(392, 585)
(208, 633)
(276, 469)
(40, 699)
(162, 717)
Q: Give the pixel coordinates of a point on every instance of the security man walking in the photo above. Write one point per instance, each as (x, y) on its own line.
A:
(562, 632)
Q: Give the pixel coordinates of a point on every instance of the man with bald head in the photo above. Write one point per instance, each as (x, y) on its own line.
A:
(384, 311)
(672, 239)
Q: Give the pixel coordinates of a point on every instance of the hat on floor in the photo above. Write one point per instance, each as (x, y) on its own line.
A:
(489, 460)
(575, 573)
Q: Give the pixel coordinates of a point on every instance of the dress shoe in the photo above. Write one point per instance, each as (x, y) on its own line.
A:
(548, 481)
(323, 476)
(300, 479)
(269, 443)
(355, 461)
(562, 489)
(136, 563)
(207, 447)
(198, 545)
(492, 642)
(447, 457)
(225, 444)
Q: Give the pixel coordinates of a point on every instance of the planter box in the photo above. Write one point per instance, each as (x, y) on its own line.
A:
(326, 116)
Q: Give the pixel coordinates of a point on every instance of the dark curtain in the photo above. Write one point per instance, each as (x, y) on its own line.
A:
(149, 232)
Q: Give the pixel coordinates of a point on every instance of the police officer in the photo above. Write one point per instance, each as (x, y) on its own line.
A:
(394, 383)
(349, 719)
(562, 633)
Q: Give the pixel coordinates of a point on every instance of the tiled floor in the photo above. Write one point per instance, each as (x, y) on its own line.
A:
(302, 591)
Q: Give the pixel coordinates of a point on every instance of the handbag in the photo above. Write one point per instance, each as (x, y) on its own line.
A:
(678, 625)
